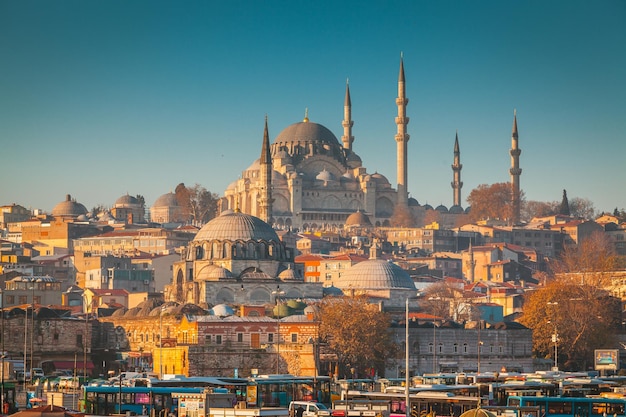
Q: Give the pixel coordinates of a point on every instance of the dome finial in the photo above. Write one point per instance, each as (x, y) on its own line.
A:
(237, 205)
(306, 115)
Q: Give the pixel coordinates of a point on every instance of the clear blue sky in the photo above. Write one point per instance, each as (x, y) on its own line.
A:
(103, 98)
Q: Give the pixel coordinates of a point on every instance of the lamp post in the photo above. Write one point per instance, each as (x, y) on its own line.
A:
(119, 399)
(2, 341)
(277, 293)
(479, 345)
(407, 410)
(161, 343)
(555, 336)
(32, 329)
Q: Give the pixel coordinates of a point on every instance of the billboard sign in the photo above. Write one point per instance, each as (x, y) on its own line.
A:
(606, 359)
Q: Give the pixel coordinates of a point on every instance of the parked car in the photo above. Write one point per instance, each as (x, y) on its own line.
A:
(22, 376)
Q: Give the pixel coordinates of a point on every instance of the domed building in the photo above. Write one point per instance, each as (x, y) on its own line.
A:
(128, 209)
(378, 279)
(166, 210)
(69, 209)
(310, 180)
(237, 258)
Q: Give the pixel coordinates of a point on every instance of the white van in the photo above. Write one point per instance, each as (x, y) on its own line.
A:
(307, 409)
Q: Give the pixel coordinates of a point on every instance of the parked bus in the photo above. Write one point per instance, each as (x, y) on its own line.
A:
(107, 400)
(280, 390)
(571, 406)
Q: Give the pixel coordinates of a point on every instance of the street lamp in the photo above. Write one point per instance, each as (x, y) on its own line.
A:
(277, 293)
(161, 342)
(407, 410)
(555, 336)
(2, 341)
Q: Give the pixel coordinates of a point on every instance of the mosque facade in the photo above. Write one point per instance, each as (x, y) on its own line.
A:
(307, 179)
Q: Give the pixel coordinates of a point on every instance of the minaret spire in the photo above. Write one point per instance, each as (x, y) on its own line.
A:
(457, 184)
(402, 138)
(265, 178)
(347, 122)
(515, 171)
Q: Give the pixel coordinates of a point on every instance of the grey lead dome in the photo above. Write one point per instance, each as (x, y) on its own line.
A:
(236, 226)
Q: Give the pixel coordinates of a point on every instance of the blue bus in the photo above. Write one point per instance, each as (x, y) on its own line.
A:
(106, 400)
(570, 406)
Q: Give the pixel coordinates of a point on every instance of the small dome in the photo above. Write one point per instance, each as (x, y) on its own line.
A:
(282, 154)
(166, 200)
(467, 209)
(236, 226)
(442, 209)
(82, 218)
(375, 274)
(222, 310)
(332, 291)
(456, 209)
(379, 178)
(126, 201)
(413, 202)
(69, 208)
(347, 176)
(428, 207)
(288, 275)
(359, 218)
(325, 176)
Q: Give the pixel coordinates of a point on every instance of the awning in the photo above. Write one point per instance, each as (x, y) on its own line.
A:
(71, 364)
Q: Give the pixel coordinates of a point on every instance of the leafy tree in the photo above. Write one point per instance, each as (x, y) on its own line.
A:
(357, 332)
(589, 262)
(493, 201)
(198, 205)
(532, 209)
(582, 207)
(446, 300)
(402, 217)
(583, 316)
(581, 308)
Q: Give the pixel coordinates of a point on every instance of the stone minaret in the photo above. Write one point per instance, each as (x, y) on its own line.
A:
(347, 122)
(457, 184)
(265, 179)
(402, 138)
(515, 171)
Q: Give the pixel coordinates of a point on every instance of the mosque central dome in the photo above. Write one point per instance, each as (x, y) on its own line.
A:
(306, 132)
(236, 226)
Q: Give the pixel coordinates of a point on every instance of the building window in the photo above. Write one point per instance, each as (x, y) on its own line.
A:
(270, 338)
(464, 347)
(218, 339)
(430, 348)
(294, 337)
(239, 337)
(79, 340)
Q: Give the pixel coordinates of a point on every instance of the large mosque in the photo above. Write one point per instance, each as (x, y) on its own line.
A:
(308, 179)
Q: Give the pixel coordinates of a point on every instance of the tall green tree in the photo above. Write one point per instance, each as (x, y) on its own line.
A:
(358, 333)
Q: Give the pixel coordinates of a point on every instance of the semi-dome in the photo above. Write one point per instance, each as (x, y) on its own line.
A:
(306, 131)
(213, 273)
(236, 226)
(166, 200)
(69, 208)
(379, 178)
(375, 274)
